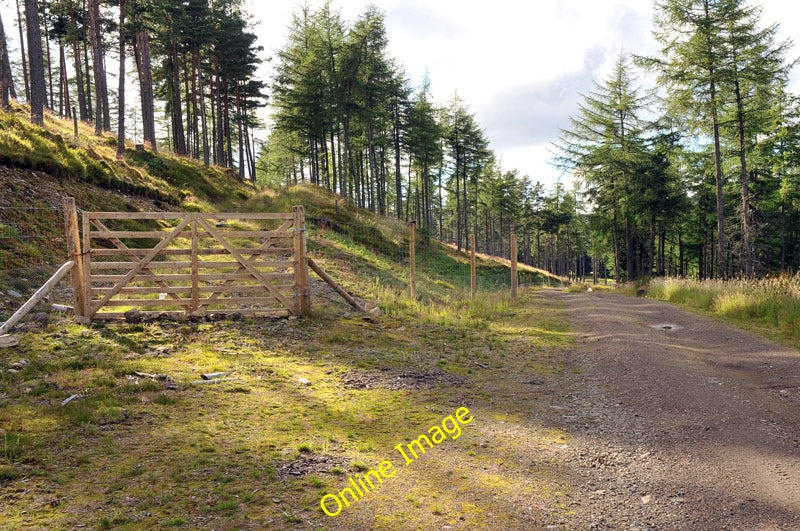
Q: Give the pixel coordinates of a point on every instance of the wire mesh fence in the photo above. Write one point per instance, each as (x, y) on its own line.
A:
(383, 253)
(32, 248)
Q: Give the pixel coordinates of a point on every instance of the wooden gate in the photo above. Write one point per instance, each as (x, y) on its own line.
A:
(194, 264)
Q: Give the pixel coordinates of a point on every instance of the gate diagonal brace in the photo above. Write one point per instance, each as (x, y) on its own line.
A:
(332, 283)
(145, 270)
(246, 264)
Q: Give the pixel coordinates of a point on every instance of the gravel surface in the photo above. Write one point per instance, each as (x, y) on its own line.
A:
(677, 421)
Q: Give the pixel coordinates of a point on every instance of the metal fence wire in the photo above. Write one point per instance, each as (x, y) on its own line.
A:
(387, 248)
(32, 248)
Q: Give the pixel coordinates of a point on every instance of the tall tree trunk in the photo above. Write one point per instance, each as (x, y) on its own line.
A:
(121, 89)
(203, 121)
(630, 252)
(213, 97)
(712, 77)
(195, 106)
(38, 93)
(101, 92)
(465, 204)
(141, 50)
(248, 152)
(178, 136)
(458, 199)
(348, 172)
(79, 82)
(334, 174)
(747, 258)
(227, 123)
(219, 125)
(6, 84)
(398, 178)
(719, 189)
(46, 39)
(86, 47)
(240, 135)
(63, 99)
(24, 55)
(76, 54)
(187, 96)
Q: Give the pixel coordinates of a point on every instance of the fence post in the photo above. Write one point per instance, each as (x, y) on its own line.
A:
(74, 253)
(472, 268)
(86, 228)
(514, 285)
(412, 257)
(302, 299)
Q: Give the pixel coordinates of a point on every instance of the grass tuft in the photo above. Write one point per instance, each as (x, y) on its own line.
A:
(769, 306)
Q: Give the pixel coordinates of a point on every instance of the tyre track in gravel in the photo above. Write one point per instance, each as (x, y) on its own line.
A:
(677, 421)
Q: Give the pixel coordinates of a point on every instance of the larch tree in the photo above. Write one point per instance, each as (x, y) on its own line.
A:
(604, 147)
(692, 70)
(757, 73)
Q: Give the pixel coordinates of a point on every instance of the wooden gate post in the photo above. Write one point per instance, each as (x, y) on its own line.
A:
(302, 303)
(412, 258)
(514, 264)
(75, 254)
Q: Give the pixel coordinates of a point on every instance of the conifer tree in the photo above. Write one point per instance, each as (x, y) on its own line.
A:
(692, 70)
(38, 91)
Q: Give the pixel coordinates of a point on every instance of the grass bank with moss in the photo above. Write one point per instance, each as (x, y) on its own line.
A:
(770, 306)
(104, 426)
(260, 450)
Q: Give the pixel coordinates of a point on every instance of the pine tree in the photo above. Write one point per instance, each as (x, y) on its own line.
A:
(424, 149)
(6, 83)
(38, 92)
(121, 92)
(102, 115)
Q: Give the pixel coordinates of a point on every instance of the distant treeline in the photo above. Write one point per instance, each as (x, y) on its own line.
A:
(697, 176)
(708, 188)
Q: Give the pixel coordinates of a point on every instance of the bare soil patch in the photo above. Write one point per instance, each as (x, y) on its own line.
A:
(395, 380)
(311, 464)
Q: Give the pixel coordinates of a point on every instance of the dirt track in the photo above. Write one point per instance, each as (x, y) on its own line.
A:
(678, 421)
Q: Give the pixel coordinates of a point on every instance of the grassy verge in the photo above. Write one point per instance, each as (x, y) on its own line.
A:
(310, 403)
(770, 307)
(262, 450)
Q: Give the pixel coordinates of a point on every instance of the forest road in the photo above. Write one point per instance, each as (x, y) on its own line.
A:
(677, 421)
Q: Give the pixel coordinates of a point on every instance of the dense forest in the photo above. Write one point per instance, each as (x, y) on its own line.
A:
(195, 64)
(695, 175)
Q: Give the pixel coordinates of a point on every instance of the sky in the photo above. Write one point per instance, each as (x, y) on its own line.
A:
(520, 66)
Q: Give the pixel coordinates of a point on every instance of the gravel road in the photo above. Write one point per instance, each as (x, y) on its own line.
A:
(677, 421)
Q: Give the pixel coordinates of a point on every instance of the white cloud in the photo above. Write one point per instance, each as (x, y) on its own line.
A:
(518, 65)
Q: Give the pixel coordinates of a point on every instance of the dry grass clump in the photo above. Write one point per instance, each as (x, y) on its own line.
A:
(768, 305)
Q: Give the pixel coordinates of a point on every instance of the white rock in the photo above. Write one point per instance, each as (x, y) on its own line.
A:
(304, 381)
